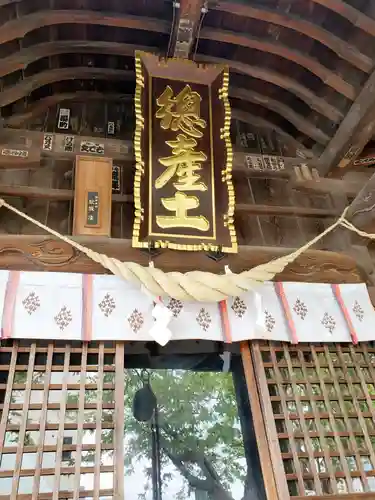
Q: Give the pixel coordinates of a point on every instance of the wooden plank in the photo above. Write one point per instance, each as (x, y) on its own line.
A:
(99, 413)
(60, 436)
(341, 47)
(42, 252)
(80, 422)
(354, 132)
(269, 422)
(302, 423)
(52, 194)
(119, 454)
(93, 177)
(259, 426)
(43, 421)
(188, 17)
(8, 394)
(22, 431)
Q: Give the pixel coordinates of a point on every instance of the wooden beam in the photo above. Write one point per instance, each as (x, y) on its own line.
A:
(189, 15)
(328, 186)
(263, 124)
(342, 48)
(41, 105)
(317, 103)
(353, 133)
(28, 85)
(18, 28)
(355, 16)
(282, 109)
(327, 76)
(303, 125)
(21, 59)
(243, 161)
(41, 252)
(362, 210)
(52, 194)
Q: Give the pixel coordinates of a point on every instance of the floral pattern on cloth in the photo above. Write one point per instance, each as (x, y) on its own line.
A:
(54, 306)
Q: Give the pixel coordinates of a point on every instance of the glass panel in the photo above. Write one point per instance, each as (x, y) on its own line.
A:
(29, 461)
(49, 460)
(15, 417)
(17, 397)
(6, 485)
(20, 378)
(57, 378)
(47, 484)
(36, 397)
(38, 377)
(34, 416)
(53, 416)
(8, 461)
(31, 438)
(25, 485)
(198, 419)
(11, 438)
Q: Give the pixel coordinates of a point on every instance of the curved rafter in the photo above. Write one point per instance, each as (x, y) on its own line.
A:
(264, 124)
(327, 76)
(25, 87)
(305, 126)
(21, 59)
(30, 54)
(317, 103)
(239, 93)
(336, 44)
(17, 28)
(42, 105)
(356, 17)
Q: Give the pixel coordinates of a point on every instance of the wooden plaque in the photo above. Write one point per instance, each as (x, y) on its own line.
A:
(183, 190)
(92, 196)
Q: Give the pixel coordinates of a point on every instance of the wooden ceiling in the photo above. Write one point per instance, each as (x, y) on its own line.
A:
(301, 67)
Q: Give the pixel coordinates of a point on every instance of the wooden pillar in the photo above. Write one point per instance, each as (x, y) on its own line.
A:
(92, 196)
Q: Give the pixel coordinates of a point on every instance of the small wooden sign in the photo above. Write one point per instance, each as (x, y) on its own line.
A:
(92, 209)
(183, 191)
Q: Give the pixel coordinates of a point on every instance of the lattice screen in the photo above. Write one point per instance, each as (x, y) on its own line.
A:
(321, 402)
(61, 413)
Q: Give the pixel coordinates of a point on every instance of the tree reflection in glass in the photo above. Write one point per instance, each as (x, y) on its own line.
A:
(201, 447)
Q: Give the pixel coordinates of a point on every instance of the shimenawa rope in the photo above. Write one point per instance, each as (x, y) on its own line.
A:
(195, 285)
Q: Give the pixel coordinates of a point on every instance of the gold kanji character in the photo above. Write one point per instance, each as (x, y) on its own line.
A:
(180, 204)
(181, 112)
(183, 163)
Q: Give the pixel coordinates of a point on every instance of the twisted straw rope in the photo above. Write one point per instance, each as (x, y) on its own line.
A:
(195, 285)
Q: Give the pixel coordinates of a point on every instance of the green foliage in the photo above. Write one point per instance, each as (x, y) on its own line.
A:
(199, 429)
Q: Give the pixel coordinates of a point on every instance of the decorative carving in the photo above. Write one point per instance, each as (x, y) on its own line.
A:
(48, 252)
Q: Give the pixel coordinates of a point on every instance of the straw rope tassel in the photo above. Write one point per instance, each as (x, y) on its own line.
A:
(195, 285)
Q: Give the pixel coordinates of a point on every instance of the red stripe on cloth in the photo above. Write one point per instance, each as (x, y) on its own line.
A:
(225, 321)
(10, 304)
(87, 285)
(279, 288)
(337, 294)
